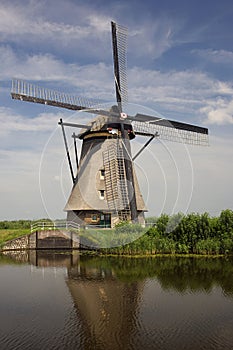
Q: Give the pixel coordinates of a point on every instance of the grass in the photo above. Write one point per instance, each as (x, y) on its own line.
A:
(8, 234)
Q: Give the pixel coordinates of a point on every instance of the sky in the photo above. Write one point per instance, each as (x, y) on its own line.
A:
(180, 66)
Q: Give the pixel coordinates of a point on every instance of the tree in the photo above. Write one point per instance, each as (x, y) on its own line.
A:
(162, 224)
(226, 222)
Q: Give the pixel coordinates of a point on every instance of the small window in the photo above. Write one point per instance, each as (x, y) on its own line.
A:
(94, 218)
(102, 174)
(101, 194)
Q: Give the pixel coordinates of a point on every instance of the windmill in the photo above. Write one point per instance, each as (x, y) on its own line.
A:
(105, 187)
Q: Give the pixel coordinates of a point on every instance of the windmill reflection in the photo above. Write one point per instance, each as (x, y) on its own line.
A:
(107, 306)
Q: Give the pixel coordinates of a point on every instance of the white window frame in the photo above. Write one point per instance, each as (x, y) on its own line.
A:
(102, 176)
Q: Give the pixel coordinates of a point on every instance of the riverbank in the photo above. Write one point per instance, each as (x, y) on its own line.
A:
(191, 234)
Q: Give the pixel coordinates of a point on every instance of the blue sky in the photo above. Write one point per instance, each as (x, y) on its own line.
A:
(180, 64)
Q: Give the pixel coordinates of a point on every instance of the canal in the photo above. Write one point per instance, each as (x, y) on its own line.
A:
(65, 300)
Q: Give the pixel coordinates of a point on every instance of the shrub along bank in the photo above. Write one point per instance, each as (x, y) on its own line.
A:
(182, 234)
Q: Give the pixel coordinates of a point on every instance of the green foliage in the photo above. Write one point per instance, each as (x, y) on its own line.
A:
(152, 232)
(161, 224)
(126, 227)
(182, 234)
(226, 221)
(15, 225)
(208, 246)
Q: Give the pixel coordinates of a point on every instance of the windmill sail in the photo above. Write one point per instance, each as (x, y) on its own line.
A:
(119, 45)
(119, 41)
(142, 124)
(25, 91)
(173, 131)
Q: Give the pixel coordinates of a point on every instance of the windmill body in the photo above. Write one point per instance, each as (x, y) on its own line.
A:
(105, 187)
(101, 194)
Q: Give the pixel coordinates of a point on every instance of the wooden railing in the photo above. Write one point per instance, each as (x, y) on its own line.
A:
(55, 225)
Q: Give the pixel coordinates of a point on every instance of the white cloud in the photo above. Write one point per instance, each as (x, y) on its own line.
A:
(18, 186)
(191, 93)
(219, 111)
(31, 150)
(215, 56)
(33, 25)
(12, 122)
(213, 169)
(153, 38)
(89, 79)
(41, 23)
(31, 19)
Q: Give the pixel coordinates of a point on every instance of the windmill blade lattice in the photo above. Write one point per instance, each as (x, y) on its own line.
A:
(25, 91)
(119, 43)
(167, 131)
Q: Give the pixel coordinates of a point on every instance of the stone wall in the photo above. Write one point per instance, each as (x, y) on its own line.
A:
(42, 239)
(19, 243)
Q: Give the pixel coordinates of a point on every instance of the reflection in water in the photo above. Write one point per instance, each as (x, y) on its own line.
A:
(42, 258)
(107, 306)
(129, 303)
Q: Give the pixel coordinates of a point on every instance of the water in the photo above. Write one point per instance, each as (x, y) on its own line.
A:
(72, 301)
